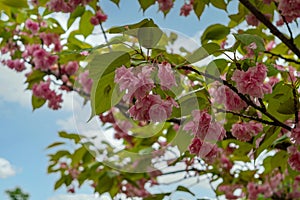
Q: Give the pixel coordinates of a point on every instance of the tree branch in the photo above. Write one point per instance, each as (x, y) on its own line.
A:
(261, 17)
(243, 97)
(282, 57)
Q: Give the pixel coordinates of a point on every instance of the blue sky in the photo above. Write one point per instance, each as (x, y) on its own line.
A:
(25, 134)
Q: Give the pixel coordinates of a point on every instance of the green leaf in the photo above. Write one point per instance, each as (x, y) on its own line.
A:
(199, 6)
(75, 44)
(54, 145)
(219, 4)
(85, 26)
(269, 139)
(103, 64)
(71, 136)
(215, 68)
(121, 29)
(59, 154)
(184, 189)
(149, 35)
(59, 182)
(104, 95)
(247, 39)
(76, 13)
(78, 155)
(115, 2)
(215, 32)
(279, 160)
(105, 183)
(34, 77)
(37, 102)
(146, 4)
(203, 52)
(15, 3)
(286, 107)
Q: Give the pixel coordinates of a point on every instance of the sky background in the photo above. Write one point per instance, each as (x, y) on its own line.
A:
(24, 134)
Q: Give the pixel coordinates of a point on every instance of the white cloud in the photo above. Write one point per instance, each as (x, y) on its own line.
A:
(6, 169)
(12, 88)
(79, 197)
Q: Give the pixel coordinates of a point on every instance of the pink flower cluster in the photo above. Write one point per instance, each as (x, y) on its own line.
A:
(166, 76)
(290, 9)
(255, 189)
(32, 26)
(295, 134)
(65, 6)
(98, 18)
(229, 191)
(252, 81)
(206, 134)
(253, 21)
(70, 68)
(85, 81)
(42, 59)
(133, 191)
(186, 9)
(294, 159)
(51, 38)
(152, 108)
(16, 64)
(245, 131)
(232, 101)
(42, 90)
(165, 5)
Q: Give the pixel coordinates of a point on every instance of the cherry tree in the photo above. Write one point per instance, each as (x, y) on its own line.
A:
(233, 119)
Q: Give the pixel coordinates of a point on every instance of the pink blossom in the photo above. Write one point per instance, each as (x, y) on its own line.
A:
(295, 134)
(195, 146)
(43, 60)
(200, 123)
(165, 5)
(98, 18)
(226, 163)
(51, 38)
(152, 108)
(270, 45)
(84, 53)
(245, 131)
(290, 9)
(71, 68)
(252, 20)
(215, 132)
(224, 95)
(32, 26)
(17, 65)
(252, 81)
(138, 83)
(42, 90)
(166, 76)
(186, 9)
(294, 159)
(107, 118)
(229, 191)
(208, 151)
(254, 190)
(85, 81)
(65, 6)
(30, 49)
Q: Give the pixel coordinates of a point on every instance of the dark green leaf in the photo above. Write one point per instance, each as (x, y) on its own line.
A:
(146, 4)
(215, 32)
(199, 6)
(219, 4)
(55, 144)
(115, 2)
(71, 136)
(286, 107)
(78, 155)
(59, 182)
(15, 3)
(184, 189)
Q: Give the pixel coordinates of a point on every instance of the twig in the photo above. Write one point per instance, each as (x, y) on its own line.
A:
(104, 35)
(284, 58)
(261, 17)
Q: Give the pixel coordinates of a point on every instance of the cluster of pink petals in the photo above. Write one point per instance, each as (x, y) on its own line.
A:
(65, 6)
(255, 189)
(51, 38)
(16, 64)
(32, 26)
(70, 68)
(245, 131)
(138, 83)
(294, 159)
(42, 90)
(166, 76)
(152, 108)
(98, 18)
(290, 9)
(165, 5)
(253, 21)
(204, 128)
(229, 191)
(232, 101)
(85, 81)
(134, 191)
(186, 9)
(226, 163)
(251, 82)
(205, 150)
(295, 134)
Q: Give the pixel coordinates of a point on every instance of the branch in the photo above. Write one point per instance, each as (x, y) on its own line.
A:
(284, 58)
(243, 97)
(261, 17)
(105, 37)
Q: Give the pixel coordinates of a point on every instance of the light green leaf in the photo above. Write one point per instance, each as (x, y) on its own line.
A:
(85, 26)
(203, 52)
(71, 136)
(219, 4)
(76, 13)
(215, 32)
(15, 3)
(247, 39)
(199, 6)
(54, 145)
(149, 35)
(184, 189)
(78, 155)
(37, 102)
(146, 4)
